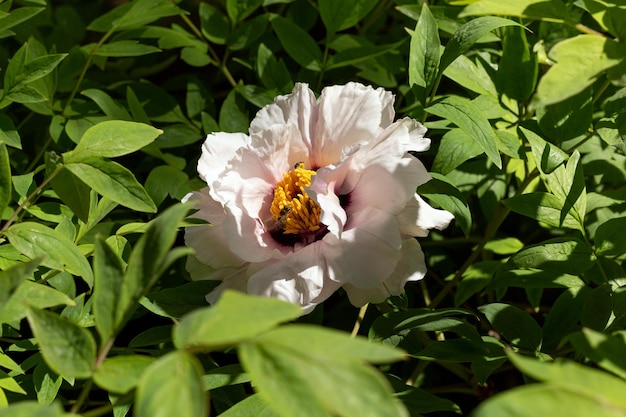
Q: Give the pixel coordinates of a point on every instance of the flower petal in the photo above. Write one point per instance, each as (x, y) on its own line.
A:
(349, 114)
(418, 217)
(217, 150)
(367, 252)
(411, 267)
(301, 277)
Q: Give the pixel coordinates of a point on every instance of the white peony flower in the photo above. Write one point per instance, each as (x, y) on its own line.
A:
(319, 196)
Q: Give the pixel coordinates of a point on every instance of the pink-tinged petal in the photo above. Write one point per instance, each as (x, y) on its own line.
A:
(199, 271)
(376, 187)
(418, 217)
(300, 108)
(301, 277)
(411, 267)
(368, 250)
(209, 241)
(348, 115)
(217, 151)
(333, 215)
(280, 147)
(237, 279)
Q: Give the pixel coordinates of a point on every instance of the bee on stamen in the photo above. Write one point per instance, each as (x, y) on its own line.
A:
(281, 222)
(298, 165)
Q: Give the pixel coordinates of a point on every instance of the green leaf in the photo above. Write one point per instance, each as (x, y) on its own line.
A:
(548, 157)
(178, 301)
(165, 180)
(517, 71)
(424, 54)
(468, 34)
(610, 238)
(109, 106)
(150, 257)
(233, 117)
(171, 386)
(28, 292)
(8, 133)
(340, 15)
(563, 255)
(11, 278)
(272, 72)
(605, 350)
(306, 371)
(71, 190)
(121, 374)
(34, 70)
(471, 120)
(298, 43)
(32, 409)
(553, 10)
(47, 383)
(112, 138)
(472, 74)
(567, 119)
(442, 192)
(18, 16)
(134, 14)
(353, 56)
(455, 148)
(214, 24)
(109, 281)
(5, 178)
(240, 9)
(112, 181)
(35, 240)
(542, 207)
(125, 48)
(225, 324)
(68, 349)
(251, 406)
(579, 61)
(516, 326)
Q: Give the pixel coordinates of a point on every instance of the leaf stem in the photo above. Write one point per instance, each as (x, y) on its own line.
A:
(359, 320)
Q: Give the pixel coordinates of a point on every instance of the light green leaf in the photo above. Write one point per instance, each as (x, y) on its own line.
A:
(28, 292)
(340, 15)
(543, 207)
(579, 61)
(121, 374)
(353, 56)
(68, 349)
(171, 386)
(562, 255)
(298, 43)
(11, 278)
(553, 10)
(605, 350)
(468, 34)
(125, 48)
(472, 75)
(18, 16)
(504, 246)
(251, 406)
(113, 181)
(34, 70)
(424, 54)
(47, 383)
(8, 133)
(469, 119)
(32, 409)
(35, 240)
(225, 323)
(307, 379)
(515, 325)
(548, 157)
(112, 138)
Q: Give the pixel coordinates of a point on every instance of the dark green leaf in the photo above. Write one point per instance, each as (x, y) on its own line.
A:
(214, 24)
(298, 43)
(442, 192)
(517, 71)
(109, 280)
(125, 48)
(68, 349)
(121, 374)
(516, 326)
(113, 181)
(340, 15)
(8, 133)
(424, 54)
(240, 9)
(468, 34)
(18, 16)
(455, 148)
(562, 255)
(11, 278)
(543, 207)
(133, 15)
(567, 119)
(233, 116)
(610, 238)
(29, 293)
(5, 178)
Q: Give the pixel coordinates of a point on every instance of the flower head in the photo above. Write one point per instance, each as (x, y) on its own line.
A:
(319, 196)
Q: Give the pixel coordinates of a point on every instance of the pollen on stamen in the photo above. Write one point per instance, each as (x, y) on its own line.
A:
(292, 208)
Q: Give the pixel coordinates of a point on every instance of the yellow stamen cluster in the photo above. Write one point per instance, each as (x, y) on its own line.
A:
(292, 208)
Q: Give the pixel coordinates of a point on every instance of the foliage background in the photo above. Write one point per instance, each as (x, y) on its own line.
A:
(102, 112)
